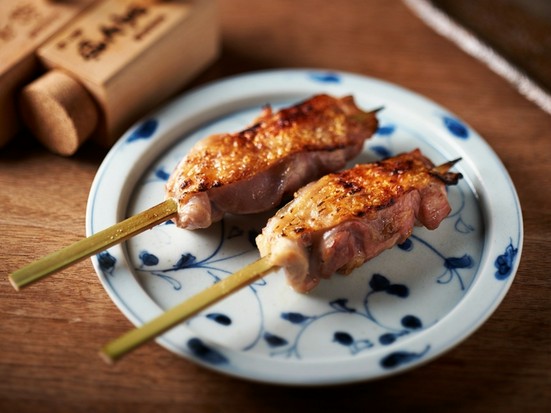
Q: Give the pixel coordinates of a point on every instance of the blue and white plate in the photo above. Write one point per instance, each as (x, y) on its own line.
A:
(402, 309)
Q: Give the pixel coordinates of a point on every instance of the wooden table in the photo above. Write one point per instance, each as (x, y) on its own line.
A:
(50, 332)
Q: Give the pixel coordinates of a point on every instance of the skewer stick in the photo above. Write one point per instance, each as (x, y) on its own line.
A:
(98, 242)
(134, 338)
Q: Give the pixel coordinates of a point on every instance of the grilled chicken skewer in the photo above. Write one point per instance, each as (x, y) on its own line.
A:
(344, 219)
(245, 172)
(334, 224)
(254, 170)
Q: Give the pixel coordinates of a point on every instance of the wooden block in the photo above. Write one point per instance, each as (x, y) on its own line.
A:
(24, 26)
(129, 56)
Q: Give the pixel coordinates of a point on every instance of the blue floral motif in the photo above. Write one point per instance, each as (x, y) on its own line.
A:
(106, 262)
(377, 284)
(346, 339)
(274, 340)
(398, 358)
(205, 353)
(409, 322)
(328, 77)
(381, 151)
(162, 174)
(504, 262)
(189, 261)
(407, 245)
(295, 318)
(340, 304)
(159, 175)
(343, 338)
(211, 264)
(452, 265)
(148, 259)
(381, 283)
(386, 130)
(456, 128)
(186, 260)
(219, 318)
(144, 131)
(462, 227)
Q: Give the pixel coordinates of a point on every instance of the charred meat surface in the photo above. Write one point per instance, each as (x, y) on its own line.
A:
(253, 170)
(344, 219)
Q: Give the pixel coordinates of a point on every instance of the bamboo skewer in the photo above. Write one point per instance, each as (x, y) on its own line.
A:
(134, 338)
(95, 243)
(118, 233)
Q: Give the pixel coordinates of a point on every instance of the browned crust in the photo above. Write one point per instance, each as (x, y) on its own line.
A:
(359, 193)
(321, 123)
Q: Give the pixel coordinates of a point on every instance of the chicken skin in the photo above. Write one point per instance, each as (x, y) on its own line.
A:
(255, 169)
(344, 219)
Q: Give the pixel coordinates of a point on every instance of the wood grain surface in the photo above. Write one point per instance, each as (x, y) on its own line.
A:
(50, 333)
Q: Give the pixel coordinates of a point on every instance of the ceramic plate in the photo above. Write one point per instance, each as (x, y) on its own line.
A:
(400, 310)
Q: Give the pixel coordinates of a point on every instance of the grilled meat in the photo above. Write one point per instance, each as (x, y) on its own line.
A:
(344, 219)
(253, 170)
